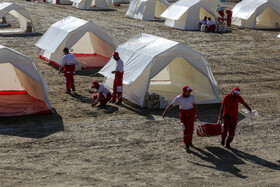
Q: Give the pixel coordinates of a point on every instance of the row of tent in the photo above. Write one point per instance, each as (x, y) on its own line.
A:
(86, 4)
(151, 64)
(184, 14)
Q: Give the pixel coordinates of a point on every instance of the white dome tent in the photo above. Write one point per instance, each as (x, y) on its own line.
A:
(23, 91)
(24, 18)
(90, 4)
(91, 44)
(154, 64)
(146, 9)
(257, 14)
(186, 14)
(61, 2)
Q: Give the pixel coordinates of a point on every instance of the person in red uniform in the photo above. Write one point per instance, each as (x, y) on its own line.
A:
(103, 95)
(188, 108)
(229, 15)
(68, 64)
(229, 114)
(118, 81)
(220, 10)
(211, 26)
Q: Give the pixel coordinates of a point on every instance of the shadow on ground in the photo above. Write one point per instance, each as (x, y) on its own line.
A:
(256, 160)
(225, 160)
(91, 72)
(37, 126)
(219, 159)
(23, 35)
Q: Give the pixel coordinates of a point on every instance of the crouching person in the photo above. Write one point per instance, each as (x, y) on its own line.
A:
(103, 95)
(211, 26)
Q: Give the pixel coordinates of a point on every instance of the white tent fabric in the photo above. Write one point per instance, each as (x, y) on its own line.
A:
(27, 67)
(186, 14)
(119, 1)
(80, 36)
(61, 2)
(258, 14)
(90, 4)
(154, 64)
(146, 9)
(212, 3)
(19, 12)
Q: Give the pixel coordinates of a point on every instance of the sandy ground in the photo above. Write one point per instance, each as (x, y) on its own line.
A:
(80, 145)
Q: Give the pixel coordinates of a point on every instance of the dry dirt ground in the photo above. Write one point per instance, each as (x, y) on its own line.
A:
(80, 145)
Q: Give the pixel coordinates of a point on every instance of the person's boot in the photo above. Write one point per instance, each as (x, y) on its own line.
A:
(223, 142)
(228, 146)
(187, 148)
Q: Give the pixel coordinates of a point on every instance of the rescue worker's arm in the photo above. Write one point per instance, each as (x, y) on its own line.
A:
(166, 110)
(195, 110)
(221, 114)
(62, 65)
(96, 101)
(60, 69)
(92, 91)
(247, 107)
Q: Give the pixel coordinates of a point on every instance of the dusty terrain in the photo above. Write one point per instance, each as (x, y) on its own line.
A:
(80, 145)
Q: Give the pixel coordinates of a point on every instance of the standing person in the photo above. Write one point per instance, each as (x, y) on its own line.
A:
(211, 26)
(188, 108)
(229, 114)
(220, 10)
(229, 15)
(68, 64)
(103, 95)
(118, 81)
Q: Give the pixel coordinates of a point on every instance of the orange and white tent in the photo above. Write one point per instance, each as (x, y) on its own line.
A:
(257, 14)
(90, 4)
(91, 44)
(23, 91)
(20, 13)
(147, 10)
(155, 64)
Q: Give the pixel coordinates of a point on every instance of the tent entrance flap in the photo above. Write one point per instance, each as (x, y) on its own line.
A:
(89, 51)
(19, 93)
(179, 73)
(9, 80)
(268, 19)
(20, 105)
(204, 13)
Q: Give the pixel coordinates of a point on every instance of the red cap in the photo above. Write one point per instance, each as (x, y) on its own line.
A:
(187, 88)
(94, 84)
(115, 54)
(236, 90)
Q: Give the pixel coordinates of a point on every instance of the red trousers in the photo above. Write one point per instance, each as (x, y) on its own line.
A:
(69, 79)
(229, 128)
(228, 22)
(102, 99)
(211, 28)
(222, 15)
(187, 121)
(118, 87)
